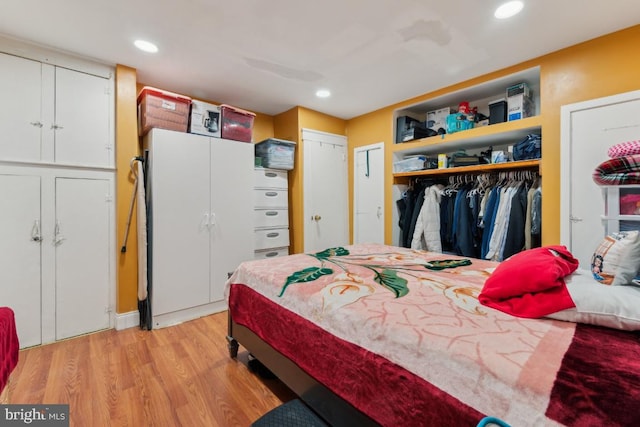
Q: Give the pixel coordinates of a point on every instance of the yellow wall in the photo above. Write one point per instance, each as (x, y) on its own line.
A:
(126, 149)
(289, 125)
(597, 68)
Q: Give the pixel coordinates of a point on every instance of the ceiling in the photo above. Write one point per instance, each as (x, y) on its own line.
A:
(268, 56)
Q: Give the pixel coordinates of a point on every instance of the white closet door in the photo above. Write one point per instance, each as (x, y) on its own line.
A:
(588, 130)
(326, 191)
(179, 182)
(82, 255)
(368, 190)
(20, 257)
(82, 119)
(232, 178)
(20, 110)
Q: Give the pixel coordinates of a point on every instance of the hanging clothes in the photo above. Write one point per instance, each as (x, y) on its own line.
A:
(426, 235)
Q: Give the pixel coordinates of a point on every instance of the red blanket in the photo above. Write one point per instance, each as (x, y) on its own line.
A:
(9, 345)
(531, 283)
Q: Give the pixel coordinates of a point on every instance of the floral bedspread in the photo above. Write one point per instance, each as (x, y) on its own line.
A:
(420, 310)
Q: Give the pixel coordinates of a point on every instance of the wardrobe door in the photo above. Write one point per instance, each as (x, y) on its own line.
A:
(82, 255)
(180, 220)
(20, 255)
(82, 119)
(21, 123)
(232, 177)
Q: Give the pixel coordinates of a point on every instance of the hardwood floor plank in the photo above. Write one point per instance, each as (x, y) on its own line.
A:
(176, 376)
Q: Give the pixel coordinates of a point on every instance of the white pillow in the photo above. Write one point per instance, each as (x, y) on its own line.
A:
(615, 307)
(616, 260)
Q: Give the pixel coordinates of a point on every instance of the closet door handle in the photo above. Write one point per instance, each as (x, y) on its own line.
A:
(272, 235)
(35, 232)
(575, 218)
(58, 238)
(271, 193)
(270, 174)
(212, 219)
(379, 212)
(36, 124)
(56, 127)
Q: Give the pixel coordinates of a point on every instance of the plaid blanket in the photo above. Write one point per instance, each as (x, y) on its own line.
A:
(619, 171)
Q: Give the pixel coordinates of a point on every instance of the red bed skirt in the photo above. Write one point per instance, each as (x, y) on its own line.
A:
(9, 345)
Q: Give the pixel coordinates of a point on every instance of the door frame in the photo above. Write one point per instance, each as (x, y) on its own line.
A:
(565, 152)
(336, 139)
(356, 151)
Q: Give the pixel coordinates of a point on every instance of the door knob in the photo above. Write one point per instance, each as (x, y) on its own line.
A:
(316, 218)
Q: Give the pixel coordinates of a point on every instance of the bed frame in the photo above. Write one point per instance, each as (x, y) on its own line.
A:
(329, 406)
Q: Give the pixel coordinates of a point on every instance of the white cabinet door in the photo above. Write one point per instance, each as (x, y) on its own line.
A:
(21, 121)
(82, 119)
(232, 178)
(368, 190)
(20, 256)
(82, 255)
(180, 219)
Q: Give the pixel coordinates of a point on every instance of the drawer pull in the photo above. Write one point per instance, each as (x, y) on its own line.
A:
(271, 193)
(270, 174)
(271, 213)
(271, 235)
(270, 254)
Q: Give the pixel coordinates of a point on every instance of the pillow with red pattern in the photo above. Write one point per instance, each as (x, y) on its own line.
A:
(616, 260)
(626, 148)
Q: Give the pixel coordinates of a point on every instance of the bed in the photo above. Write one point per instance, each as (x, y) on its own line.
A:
(381, 335)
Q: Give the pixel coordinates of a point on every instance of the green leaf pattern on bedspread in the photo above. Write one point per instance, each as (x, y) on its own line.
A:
(349, 287)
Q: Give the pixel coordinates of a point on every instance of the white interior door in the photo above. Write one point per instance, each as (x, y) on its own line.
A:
(20, 116)
(83, 251)
(326, 208)
(368, 192)
(20, 256)
(588, 130)
(82, 119)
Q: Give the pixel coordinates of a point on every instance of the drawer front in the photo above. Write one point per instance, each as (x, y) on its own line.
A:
(271, 218)
(269, 198)
(270, 178)
(271, 253)
(273, 238)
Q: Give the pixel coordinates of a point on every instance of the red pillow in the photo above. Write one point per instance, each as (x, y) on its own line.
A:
(531, 283)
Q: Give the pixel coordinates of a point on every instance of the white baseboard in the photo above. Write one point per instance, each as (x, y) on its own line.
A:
(127, 320)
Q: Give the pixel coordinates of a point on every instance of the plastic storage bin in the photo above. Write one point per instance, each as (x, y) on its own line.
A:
(276, 153)
(236, 124)
(413, 163)
(161, 109)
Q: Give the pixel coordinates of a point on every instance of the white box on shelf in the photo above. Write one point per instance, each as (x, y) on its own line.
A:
(413, 163)
(204, 118)
(437, 119)
(519, 102)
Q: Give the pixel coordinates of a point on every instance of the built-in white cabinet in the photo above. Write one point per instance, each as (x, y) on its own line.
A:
(271, 213)
(200, 210)
(52, 114)
(56, 251)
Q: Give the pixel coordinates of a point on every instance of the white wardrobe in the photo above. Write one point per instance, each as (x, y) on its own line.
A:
(57, 184)
(200, 220)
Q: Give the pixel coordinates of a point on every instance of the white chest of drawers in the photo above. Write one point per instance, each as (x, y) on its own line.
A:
(271, 213)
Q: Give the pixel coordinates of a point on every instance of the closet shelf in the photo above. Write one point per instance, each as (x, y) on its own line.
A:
(498, 134)
(517, 165)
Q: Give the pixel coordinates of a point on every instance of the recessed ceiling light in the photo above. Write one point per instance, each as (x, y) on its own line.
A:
(146, 46)
(507, 10)
(323, 93)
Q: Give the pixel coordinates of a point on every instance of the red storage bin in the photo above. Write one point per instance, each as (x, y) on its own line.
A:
(161, 109)
(236, 124)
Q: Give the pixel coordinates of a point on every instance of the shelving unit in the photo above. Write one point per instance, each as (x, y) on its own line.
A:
(499, 136)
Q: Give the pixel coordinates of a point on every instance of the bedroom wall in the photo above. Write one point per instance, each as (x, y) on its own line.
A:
(593, 69)
(596, 68)
(289, 125)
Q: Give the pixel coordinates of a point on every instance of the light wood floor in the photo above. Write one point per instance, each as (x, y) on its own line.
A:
(176, 376)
